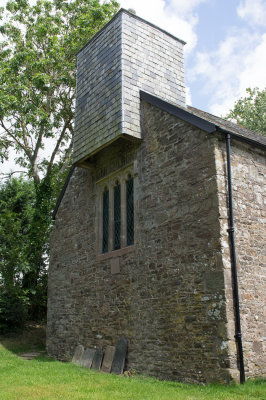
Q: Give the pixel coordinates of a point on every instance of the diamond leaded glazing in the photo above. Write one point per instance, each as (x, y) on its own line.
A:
(117, 216)
(105, 221)
(130, 210)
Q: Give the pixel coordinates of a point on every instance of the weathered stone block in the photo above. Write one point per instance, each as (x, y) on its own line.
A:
(97, 359)
(87, 358)
(118, 363)
(79, 350)
(108, 359)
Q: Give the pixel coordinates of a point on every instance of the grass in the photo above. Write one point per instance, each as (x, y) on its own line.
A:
(45, 379)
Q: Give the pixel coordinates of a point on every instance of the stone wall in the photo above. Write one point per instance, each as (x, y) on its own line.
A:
(127, 55)
(249, 197)
(169, 297)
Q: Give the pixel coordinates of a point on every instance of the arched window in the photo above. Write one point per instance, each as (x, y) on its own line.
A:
(115, 213)
(117, 216)
(105, 235)
(130, 210)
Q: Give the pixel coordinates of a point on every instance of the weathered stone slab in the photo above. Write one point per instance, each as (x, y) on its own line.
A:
(97, 359)
(108, 359)
(79, 350)
(119, 356)
(87, 357)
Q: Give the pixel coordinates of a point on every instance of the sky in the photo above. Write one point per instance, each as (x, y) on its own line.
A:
(226, 45)
(225, 49)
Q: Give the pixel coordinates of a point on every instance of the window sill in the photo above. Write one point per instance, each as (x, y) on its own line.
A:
(115, 253)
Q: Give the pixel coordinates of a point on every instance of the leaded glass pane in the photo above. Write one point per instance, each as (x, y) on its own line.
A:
(130, 210)
(117, 216)
(105, 220)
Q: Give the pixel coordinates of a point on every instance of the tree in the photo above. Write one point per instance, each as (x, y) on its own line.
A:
(37, 100)
(37, 77)
(17, 198)
(250, 111)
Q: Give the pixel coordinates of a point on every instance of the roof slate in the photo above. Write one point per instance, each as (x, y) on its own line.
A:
(228, 125)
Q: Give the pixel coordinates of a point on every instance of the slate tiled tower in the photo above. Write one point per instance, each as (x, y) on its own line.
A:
(126, 56)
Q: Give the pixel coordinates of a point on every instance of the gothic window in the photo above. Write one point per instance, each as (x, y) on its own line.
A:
(117, 216)
(105, 220)
(115, 227)
(130, 210)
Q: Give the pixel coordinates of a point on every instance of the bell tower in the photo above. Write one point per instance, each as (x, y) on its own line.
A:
(128, 55)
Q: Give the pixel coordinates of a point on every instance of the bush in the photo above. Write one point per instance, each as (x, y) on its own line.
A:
(14, 304)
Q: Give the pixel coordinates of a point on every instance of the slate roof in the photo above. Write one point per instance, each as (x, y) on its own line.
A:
(229, 126)
(207, 122)
(201, 119)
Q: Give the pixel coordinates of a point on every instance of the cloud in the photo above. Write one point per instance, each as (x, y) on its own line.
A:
(184, 7)
(253, 11)
(188, 96)
(175, 16)
(239, 62)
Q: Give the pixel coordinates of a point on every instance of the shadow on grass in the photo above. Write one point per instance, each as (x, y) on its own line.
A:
(32, 338)
(44, 359)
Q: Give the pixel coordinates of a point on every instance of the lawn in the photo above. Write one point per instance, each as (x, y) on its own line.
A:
(44, 379)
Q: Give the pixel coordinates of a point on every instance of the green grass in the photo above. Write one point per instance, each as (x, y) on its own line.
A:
(44, 379)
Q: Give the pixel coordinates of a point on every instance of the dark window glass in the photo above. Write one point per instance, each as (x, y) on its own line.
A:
(105, 220)
(117, 216)
(130, 210)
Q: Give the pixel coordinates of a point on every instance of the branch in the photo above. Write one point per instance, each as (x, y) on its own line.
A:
(67, 157)
(25, 133)
(66, 126)
(33, 159)
(9, 174)
(16, 140)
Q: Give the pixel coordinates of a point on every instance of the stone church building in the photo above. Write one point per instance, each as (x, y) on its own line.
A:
(160, 228)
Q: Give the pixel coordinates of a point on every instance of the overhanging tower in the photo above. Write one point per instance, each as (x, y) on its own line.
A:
(128, 55)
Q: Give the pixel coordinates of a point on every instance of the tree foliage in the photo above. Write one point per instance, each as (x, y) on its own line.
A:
(250, 111)
(17, 198)
(37, 101)
(37, 77)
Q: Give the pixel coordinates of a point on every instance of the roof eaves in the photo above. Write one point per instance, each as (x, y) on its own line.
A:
(179, 112)
(242, 138)
(64, 188)
(195, 120)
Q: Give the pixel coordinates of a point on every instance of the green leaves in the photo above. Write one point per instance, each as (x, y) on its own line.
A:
(37, 74)
(16, 200)
(37, 100)
(250, 111)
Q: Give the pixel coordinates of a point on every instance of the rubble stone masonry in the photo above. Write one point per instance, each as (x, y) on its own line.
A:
(249, 197)
(171, 294)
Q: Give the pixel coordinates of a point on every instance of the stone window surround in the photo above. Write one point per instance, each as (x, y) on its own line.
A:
(109, 182)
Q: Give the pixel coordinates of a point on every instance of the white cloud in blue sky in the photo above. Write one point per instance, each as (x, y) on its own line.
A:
(220, 75)
(176, 17)
(253, 11)
(226, 45)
